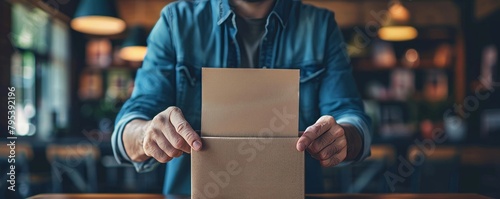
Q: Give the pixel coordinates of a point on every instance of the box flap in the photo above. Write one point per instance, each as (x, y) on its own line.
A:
(247, 168)
(240, 102)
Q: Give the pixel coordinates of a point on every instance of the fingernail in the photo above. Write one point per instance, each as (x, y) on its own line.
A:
(197, 145)
(302, 146)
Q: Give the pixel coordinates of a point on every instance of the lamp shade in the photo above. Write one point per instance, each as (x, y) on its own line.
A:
(98, 17)
(397, 33)
(134, 47)
(397, 27)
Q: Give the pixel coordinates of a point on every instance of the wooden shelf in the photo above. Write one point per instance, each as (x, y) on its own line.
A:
(367, 65)
(111, 67)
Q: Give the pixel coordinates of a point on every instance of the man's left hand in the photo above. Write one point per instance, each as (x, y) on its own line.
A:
(325, 140)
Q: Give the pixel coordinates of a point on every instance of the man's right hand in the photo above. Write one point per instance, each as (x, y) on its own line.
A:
(166, 136)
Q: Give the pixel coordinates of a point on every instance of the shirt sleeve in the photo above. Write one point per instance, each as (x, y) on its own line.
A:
(338, 92)
(154, 89)
(119, 150)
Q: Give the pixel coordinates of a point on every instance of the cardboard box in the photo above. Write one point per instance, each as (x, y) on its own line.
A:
(240, 102)
(242, 167)
(249, 130)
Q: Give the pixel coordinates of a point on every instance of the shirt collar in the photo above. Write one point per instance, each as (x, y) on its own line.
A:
(281, 10)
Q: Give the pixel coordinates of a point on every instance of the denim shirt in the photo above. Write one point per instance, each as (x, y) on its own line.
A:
(193, 34)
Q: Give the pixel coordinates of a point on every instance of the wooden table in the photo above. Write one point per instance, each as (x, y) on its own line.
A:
(311, 196)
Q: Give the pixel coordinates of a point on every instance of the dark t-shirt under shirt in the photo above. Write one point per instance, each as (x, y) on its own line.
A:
(249, 36)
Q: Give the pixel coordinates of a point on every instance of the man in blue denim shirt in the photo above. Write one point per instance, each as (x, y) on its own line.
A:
(151, 128)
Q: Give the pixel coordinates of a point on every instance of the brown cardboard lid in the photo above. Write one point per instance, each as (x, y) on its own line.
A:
(239, 102)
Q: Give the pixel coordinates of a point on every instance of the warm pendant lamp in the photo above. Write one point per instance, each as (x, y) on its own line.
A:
(396, 28)
(134, 46)
(97, 17)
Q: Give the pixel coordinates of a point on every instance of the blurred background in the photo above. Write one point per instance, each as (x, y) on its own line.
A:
(428, 72)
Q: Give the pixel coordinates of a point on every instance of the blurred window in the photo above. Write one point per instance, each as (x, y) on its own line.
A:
(40, 68)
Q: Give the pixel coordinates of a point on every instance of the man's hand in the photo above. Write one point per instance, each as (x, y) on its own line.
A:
(325, 140)
(166, 136)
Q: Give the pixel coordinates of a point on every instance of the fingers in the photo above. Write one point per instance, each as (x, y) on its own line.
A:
(153, 150)
(175, 140)
(333, 154)
(170, 150)
(166, 146)
(157, 146)
(314, 131)
(336, 147)
(326, 139)
(169, 135)
(183, 128)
